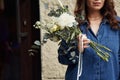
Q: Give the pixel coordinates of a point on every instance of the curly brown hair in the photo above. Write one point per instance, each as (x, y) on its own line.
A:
(107, 11)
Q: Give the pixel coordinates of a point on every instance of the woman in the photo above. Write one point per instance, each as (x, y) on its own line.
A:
(101, 25)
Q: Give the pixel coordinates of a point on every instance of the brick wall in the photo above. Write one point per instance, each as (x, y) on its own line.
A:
(51, 68)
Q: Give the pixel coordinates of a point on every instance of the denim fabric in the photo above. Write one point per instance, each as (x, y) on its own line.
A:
(94, 68)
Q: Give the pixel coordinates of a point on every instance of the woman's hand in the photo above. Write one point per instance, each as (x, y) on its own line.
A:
(83, 42)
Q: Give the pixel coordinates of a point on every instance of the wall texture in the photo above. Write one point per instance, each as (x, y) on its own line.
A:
(51, 68)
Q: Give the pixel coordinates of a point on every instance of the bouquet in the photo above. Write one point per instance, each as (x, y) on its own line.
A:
(63, 26)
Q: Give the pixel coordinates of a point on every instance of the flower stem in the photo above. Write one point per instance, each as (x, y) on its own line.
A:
(60, 4)
(99, 52)
(101, 46)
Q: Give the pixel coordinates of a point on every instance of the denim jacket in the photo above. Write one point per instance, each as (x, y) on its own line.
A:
(94, 68)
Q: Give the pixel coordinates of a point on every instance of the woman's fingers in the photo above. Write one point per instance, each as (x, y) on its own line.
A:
(83, 42)
(86, 43)
(80, 43)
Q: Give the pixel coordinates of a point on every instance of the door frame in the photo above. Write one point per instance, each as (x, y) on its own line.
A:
(35, 61)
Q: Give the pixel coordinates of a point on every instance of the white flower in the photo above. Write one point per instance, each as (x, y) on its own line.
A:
(51, 22)
(39, 24)
(66, 20)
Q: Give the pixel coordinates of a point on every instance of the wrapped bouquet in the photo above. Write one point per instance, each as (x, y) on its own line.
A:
(62, 25)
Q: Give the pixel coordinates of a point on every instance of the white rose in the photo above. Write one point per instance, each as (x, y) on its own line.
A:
(66, 20)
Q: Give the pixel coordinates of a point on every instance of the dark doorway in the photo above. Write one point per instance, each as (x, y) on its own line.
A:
(36, 36)
(21, 15)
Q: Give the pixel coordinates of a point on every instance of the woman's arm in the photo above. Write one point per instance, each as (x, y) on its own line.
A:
(68, 54)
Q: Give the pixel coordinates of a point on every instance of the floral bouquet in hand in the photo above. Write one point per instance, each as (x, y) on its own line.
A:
(63, 26)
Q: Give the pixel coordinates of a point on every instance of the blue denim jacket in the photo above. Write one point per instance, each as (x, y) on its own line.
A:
(94, 68)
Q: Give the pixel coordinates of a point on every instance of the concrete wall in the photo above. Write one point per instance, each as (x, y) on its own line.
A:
(117, 6)
(51, 68)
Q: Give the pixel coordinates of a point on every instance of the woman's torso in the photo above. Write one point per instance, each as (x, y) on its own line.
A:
(94, 68)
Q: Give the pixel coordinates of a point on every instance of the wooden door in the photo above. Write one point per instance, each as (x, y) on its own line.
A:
(25, 39)
(21, 16)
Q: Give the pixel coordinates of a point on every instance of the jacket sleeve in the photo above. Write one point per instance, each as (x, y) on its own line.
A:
(68, 54)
